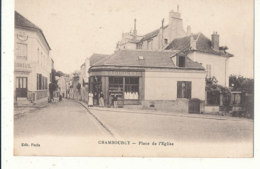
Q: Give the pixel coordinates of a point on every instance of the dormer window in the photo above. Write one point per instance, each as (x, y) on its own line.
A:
(181, 61)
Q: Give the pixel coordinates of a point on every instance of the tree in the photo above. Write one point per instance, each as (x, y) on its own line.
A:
(240, 83)
(214, 90)
(60, 73)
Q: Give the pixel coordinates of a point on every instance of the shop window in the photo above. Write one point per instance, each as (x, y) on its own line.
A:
(21, 51)
(131, 88)
(116, 84)
(184, 89)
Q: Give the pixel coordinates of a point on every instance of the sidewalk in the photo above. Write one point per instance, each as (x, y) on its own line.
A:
(157, 112)
(28, 108)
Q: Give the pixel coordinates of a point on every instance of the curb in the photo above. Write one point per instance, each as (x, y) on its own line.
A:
(162, 114)
(95, 117)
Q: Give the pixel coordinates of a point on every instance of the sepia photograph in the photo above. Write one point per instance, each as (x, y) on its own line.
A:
(140, 78)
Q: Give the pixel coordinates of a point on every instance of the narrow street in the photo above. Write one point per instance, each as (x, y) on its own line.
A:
(67, 128)
(61, 128)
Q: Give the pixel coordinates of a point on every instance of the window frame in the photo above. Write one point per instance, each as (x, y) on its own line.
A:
(19, 51)
(184, 89)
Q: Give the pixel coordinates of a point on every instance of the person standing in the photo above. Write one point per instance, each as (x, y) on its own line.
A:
(101, 99)
(90, 99)
(115, 100)
(50, 92)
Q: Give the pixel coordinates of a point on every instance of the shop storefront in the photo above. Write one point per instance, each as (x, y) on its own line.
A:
(122, 86)
(150, 79)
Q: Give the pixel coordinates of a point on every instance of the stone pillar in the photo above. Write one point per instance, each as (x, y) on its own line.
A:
(104, 87)
(141, 88)
(221, 99)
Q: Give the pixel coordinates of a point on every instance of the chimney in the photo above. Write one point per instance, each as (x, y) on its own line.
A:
(193, 43)
(135, 31)
(175, 25)
(215, 41)
(162, 36)
(188, 30)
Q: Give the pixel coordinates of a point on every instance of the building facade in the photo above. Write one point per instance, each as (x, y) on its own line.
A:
(32, 63)
(213, 57)
(147, 78)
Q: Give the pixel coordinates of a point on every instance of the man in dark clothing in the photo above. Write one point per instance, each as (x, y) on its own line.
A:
(51, 92)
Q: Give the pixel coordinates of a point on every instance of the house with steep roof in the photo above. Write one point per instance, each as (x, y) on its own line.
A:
(32, 62)
(207, 52)
(147, 78)
(213, 57)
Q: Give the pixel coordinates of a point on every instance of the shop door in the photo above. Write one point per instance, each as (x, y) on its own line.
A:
(21, 86)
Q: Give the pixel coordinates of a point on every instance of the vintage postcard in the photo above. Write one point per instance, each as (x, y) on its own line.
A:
(140, 78)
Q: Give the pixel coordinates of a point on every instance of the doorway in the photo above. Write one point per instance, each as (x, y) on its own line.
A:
(21, 86)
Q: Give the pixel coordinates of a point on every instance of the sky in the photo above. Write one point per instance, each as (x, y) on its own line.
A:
(75, 29)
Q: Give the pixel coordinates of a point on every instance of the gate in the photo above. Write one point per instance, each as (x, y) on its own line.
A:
(194, 106)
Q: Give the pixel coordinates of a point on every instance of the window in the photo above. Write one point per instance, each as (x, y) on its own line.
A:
(116, 84)
(181, 61)
(208, 70)
(184, 89)
(131, 88)
(21, 51)
(21, 82)
(139, 46)
(41, 82)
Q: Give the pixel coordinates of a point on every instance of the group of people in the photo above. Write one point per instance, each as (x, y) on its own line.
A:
(96, 99)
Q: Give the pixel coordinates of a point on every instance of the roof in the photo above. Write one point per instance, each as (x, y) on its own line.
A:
(145, 59)
(21, 21)
(152, 34)
(203, 44)
(97, 59)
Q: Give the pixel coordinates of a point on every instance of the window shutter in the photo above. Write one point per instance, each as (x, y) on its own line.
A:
(179, 89)
(188, 90)
(177, 60)
(37, 81)
(40, 81)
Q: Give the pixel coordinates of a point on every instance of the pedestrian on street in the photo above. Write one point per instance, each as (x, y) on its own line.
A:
(95, 99)
(115, 101)
(101, 99)
(51, 89)
(90, 99)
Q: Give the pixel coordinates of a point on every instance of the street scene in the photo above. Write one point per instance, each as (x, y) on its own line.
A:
(90, 83)
(66, 127)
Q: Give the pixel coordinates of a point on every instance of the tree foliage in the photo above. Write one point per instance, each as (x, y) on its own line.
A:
(213, 86)
(214, 90)
(60, 73)
(240, 83)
